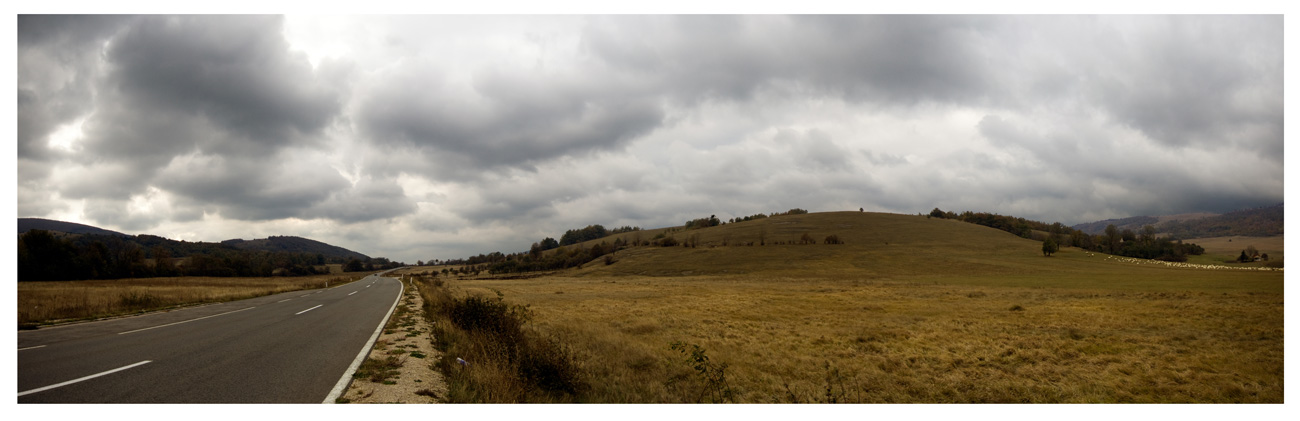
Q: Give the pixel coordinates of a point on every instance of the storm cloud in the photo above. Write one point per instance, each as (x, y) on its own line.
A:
(419, 137)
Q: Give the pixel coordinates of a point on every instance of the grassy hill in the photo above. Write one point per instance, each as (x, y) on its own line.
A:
(880, 246)
(909, 309)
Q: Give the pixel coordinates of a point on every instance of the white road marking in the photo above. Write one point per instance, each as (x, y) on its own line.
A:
(353, 292)
(365, 351)
(31, 347)
(304, 295)
(310, 309)
(281, 301)
(186, 321)
(42, 389)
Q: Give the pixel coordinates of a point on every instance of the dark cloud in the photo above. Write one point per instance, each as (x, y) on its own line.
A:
(368, 200)
(871, 58)
(248, 189)
(233, 74)
(57, 69)
(504, 119)
(203, 107)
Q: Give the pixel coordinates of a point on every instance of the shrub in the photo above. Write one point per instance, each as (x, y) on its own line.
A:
(832, 239)
(807, 239)
(491, 357)
(712, 377)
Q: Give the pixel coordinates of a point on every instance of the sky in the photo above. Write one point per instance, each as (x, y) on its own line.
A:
(435, 137)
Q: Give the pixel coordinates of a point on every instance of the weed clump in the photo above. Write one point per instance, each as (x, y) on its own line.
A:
(710, 379)
(492, 357)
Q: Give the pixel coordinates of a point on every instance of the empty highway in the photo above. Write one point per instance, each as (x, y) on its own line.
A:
(292, 347)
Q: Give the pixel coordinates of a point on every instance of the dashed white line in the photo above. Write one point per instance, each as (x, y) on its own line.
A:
(31, 347)
(310, 309)
(281, 301)
(353, 292)
(186, 321)
(304, 295)
(42, 389)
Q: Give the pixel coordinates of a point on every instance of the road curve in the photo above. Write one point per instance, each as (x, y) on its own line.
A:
(292, 348)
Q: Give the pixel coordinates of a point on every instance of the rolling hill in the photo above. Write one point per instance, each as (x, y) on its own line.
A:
(295, 245)
(877, 243)
(28, 224)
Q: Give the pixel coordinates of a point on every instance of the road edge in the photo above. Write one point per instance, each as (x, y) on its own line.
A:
(344, 381)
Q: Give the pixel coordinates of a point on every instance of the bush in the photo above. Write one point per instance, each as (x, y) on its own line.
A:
(832, 239)
(491, 357)
(807, 239)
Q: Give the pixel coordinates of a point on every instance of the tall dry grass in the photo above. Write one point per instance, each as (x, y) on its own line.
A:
(831, 340)
(51, 302)
(491, 354)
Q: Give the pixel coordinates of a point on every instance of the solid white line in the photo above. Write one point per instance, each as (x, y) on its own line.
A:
(342, 385)
(42, 389)
(31, 347)
(186, 321)
(310, 309)
(353, 292)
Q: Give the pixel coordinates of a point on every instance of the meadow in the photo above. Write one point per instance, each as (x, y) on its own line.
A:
(908, 310)
(62, 301)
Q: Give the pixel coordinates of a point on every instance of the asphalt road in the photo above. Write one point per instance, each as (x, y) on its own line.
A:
(292, 347)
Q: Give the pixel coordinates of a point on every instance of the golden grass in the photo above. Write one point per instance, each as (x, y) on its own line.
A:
(910, 310)
(913, 341)
(50, 302)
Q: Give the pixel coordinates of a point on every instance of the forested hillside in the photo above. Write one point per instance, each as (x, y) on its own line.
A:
(47, 255)
(1259, 222)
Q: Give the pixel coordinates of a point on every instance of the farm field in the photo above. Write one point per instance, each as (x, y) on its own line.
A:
(50, 302)
(909, 310)
(1221, 249)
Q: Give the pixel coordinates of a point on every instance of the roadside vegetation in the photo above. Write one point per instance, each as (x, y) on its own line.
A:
(491, 354)
(61, 301)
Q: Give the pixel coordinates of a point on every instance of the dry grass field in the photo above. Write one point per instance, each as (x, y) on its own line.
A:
(909, 310)
(51, 302)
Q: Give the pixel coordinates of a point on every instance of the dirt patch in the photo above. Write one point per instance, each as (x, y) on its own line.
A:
(400, 367)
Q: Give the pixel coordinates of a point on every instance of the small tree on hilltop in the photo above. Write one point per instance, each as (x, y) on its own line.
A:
(1049, 246)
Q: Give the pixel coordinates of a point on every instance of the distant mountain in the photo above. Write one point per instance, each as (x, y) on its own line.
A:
(295, 245)
(1258, 222)
(28, 224)
(1134, 223)
(88, 234)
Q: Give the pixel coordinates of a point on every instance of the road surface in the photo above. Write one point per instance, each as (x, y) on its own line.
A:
(290, 347)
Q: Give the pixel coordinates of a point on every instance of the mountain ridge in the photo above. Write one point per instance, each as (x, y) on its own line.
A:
(1255, 222)
(180, 248)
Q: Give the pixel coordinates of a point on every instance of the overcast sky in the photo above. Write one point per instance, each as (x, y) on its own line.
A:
(437, 137)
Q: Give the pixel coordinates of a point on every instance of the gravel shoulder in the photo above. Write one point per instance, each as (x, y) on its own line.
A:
(400, 367)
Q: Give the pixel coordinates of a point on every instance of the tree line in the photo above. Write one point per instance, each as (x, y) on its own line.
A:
(1144, 245)
(45, 256)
